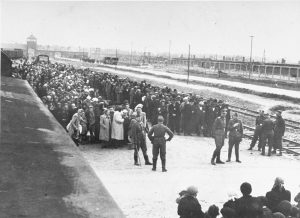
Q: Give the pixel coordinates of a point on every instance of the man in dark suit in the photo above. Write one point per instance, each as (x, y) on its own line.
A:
(174, 112)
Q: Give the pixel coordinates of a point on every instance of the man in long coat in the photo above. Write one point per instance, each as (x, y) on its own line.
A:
(279, 130)
(267, 134)
(117, 131)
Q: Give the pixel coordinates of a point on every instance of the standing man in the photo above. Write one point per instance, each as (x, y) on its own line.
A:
(159, 142)
(186, 117)
(91, 120)
(258, 132)
(218, 131)
(235, 135)
(267, 134)
(174, 113)
(278, 132)
(138, 136)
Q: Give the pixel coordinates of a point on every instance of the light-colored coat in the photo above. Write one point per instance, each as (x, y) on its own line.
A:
(104, 128)
(143, 118)
(74, 124)
(117, 129)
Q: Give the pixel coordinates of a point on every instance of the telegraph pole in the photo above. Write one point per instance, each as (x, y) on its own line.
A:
(250, 71)
(188, 76)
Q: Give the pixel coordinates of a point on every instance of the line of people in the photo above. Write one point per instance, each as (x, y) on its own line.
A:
(275, 204)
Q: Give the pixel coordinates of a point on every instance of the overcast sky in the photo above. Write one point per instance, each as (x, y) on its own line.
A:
(210, 27)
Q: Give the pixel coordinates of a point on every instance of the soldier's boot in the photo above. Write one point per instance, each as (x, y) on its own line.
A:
(163, 164)
(237, 158)
(229, 157)
(263, 150)
(136, 160)
(219, 158)
(213, 158)
(147, 162)
(269, 151)
(154, 164)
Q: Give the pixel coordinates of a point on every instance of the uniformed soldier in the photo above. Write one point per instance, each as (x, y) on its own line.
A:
(279, 130)
(218, 131)
(159, 142)
(138, 136)
(258, 132)
(267, 134)
(235, 135)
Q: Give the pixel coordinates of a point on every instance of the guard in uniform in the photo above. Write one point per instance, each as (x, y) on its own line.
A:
(258, 132)
(267, 134)
(278, 132)
(157, 136)
(235, 128)
(218, 130)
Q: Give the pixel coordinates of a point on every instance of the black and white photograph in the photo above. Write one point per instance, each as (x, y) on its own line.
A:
(150, 109)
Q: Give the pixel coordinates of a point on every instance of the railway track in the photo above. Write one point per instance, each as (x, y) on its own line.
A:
(289, 146)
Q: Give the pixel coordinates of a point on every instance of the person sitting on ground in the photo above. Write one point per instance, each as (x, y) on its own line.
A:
(213, 212)
(247, 206)
(189, 206)
(277, 194)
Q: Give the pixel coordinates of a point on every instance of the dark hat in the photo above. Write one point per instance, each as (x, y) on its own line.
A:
(246, 188)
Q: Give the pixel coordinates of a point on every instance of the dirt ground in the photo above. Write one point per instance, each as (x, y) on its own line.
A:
(143, 193)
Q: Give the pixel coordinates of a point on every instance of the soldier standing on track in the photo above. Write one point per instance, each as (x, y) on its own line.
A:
(258, 131)
(235, 128)
(218, 131)
(278, 132)
(267, 134)
(159, 142)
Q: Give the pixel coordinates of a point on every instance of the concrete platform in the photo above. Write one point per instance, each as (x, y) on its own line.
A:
(43, 173)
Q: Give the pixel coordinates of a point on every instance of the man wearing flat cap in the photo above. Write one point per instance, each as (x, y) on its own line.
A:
(157, 136)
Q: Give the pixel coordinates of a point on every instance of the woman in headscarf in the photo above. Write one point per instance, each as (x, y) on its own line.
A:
(277, 194)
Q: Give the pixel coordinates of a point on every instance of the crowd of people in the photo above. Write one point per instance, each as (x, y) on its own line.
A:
(101, 107)
(64, 90)
(276, 203)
